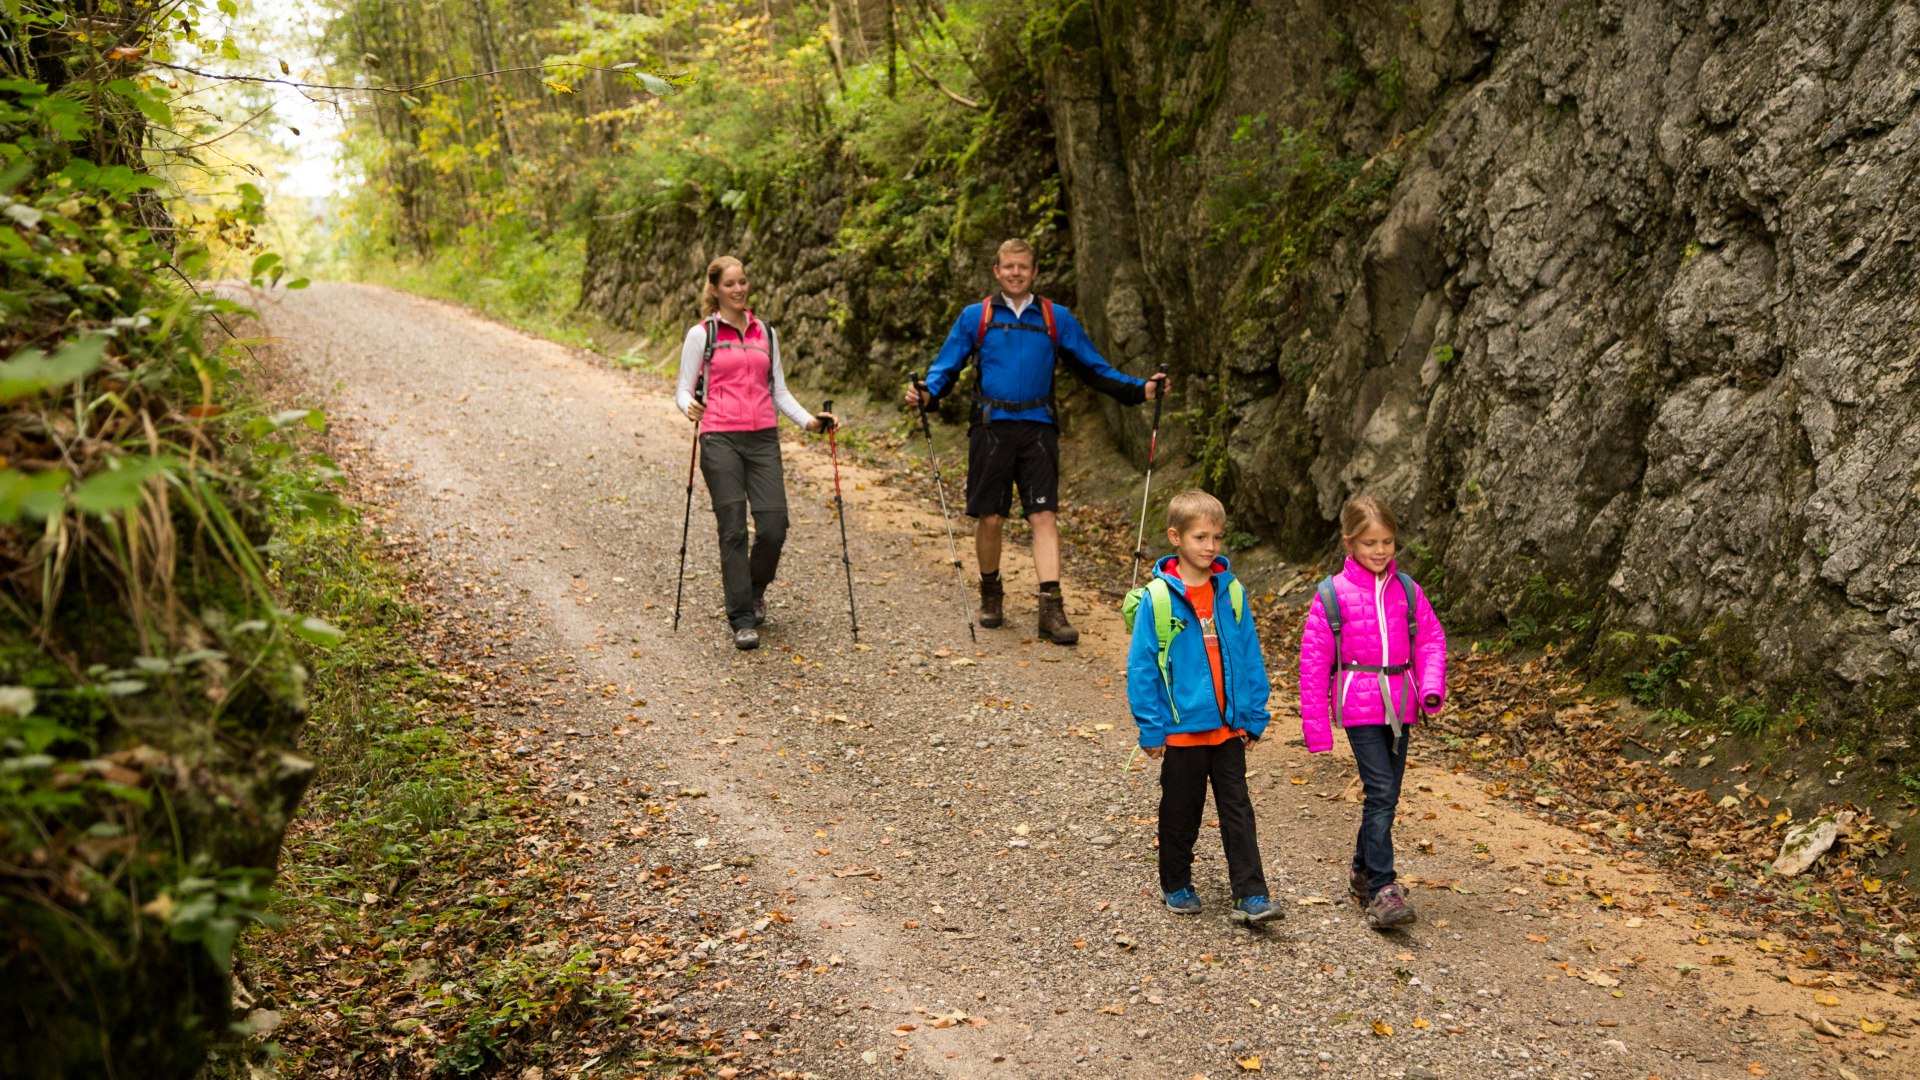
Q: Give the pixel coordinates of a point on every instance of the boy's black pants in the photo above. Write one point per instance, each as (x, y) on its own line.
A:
(1185, 772)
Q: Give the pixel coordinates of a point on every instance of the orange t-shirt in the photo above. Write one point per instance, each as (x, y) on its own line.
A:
(1201, 597)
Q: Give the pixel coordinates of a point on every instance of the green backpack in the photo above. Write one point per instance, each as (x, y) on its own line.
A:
(1166, 624)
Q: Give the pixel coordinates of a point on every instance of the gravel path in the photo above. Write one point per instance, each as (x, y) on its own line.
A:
(918, 857)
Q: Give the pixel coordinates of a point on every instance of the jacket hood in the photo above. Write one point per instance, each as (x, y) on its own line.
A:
(1168, 569)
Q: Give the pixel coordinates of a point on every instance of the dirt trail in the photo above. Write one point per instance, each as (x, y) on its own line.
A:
(966, 867)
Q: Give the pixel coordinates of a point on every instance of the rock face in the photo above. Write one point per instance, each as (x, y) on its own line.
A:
(1614, 300)
(1632, 331)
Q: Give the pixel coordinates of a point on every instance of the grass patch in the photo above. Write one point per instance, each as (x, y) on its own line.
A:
(507, 270)
(417, 907)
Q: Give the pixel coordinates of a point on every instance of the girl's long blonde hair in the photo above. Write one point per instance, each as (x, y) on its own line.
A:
(716, 270)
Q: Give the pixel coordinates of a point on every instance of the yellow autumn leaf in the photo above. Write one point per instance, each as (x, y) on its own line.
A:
(1420, 1024)
(1872, 1027)
(558, 88)
(1249, 1064)
(1381, 1027)
(1829, 1000)
(1871, 884)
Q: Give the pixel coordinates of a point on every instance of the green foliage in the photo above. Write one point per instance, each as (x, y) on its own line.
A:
(1392, 84)
(147, 668)
(1909, 782)
(1745, 718)
(1651, 684)
(1284, 187)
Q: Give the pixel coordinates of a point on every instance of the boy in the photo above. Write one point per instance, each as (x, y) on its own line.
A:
(1013, 439)
(1200, 703)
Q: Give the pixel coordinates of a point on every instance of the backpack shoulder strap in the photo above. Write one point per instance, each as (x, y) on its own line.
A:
(773, 353)
(1330, 605)
(1046, 316)
(1413, 611)
(706, 358)
(986, 320)
(1162, 597)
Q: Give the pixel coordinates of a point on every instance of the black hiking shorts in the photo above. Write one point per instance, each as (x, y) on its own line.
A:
(1006, 453)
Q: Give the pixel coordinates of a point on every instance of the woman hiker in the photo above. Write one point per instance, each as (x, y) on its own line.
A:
(1013, 439)
(731, 383)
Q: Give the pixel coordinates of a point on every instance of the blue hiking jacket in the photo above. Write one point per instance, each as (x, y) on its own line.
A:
(1017, 365)
(1243, 669)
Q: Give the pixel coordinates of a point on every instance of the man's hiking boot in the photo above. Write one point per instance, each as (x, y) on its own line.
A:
(759, 610)
(992, 602)
(1389, 908)
(1357, 886)
(746, 637)
(1053, 620)
(1254, 910)
(1184, 901)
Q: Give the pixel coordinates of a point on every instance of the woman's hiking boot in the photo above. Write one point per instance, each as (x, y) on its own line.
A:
(1183, 901)
(1389, 908)
(746, 637)
(992, 601)
(1357, 886)
(1053, 620)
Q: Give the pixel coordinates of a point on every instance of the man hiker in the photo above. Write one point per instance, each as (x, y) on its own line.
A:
(1014, 341)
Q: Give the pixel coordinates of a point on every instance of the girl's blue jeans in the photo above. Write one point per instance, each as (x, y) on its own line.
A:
(1383, 761)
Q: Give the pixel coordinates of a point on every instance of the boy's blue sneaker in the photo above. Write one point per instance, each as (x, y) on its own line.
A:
(1184, 901)
(1254, 909)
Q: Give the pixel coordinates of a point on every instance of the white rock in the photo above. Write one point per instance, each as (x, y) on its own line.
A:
(1806, 843)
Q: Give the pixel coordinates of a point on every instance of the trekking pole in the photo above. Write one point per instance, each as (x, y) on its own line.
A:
(846, 560)
(680, 583)
(1153, 444)
(953, 546)
(686, 522)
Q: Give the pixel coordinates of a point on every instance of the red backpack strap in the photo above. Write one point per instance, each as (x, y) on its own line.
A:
(1046, 315)
(986, 320)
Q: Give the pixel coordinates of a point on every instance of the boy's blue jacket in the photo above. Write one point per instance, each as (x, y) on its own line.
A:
(1018, 365)
(1243, 669)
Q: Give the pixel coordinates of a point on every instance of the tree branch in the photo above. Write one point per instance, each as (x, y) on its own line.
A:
(938, 85)
(260, 80)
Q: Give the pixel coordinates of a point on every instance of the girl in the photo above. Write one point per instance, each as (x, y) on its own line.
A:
(1373, 657)
(730, 384)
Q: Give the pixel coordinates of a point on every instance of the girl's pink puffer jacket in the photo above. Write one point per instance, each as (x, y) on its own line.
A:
(1373, 613)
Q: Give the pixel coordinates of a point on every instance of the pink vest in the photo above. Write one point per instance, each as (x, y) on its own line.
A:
(739, 380)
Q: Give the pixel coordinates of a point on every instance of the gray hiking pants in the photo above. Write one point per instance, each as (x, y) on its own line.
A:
(743, 471)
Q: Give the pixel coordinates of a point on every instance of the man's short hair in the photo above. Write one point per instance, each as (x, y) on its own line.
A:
(1192, 506)
(1015, 246)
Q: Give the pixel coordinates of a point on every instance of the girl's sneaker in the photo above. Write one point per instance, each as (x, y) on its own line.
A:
(1184, 901)
(1254, 909)
(1389, 908)
(1357, 886)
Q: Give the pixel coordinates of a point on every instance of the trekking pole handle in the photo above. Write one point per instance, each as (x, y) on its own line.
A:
(827, 424)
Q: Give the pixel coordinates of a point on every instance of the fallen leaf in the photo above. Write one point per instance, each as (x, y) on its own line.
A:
(1829, 1000)
(1420, 1024)
(1249, 1064)
(1381, 1027)
(1872, 1027)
